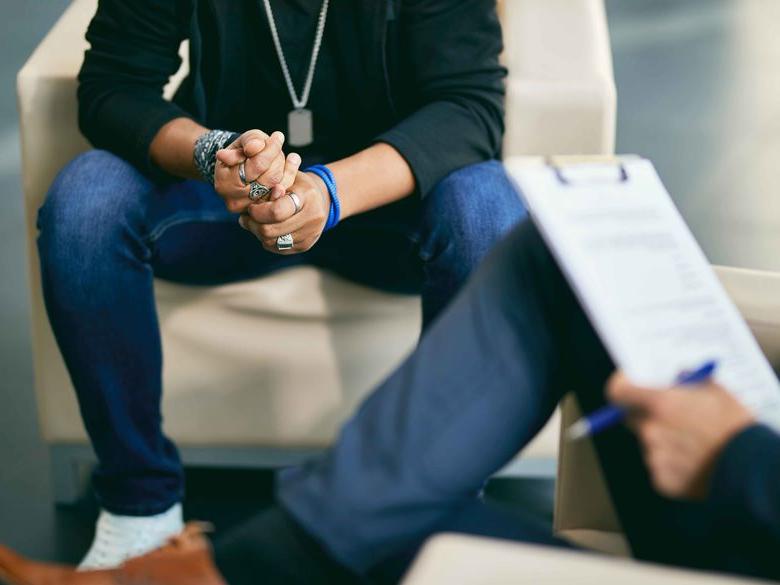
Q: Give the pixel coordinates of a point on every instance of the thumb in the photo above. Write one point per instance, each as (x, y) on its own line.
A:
(230, 157)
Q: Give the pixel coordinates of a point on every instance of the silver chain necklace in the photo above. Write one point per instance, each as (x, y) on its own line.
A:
(300, 123)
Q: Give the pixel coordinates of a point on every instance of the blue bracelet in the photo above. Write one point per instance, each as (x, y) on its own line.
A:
(324, 173)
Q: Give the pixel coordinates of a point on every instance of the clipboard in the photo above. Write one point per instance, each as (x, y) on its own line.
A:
(640, 275)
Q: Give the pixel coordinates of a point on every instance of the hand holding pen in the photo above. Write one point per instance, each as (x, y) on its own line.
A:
(609, 416)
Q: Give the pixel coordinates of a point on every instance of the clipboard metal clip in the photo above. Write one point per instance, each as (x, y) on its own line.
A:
(559, 165)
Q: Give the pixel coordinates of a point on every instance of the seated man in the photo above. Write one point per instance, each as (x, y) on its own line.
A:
(482, 382)
(402, 100)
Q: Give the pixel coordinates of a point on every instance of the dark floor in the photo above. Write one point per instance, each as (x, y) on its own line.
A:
(699, 86)
(226, 497)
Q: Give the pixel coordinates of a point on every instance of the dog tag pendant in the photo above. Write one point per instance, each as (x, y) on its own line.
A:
(300, 127)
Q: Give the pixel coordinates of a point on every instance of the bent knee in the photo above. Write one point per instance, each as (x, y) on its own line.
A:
(94, 192)
(93, 186)
(470, 210)
(477, 198)
(471, 176)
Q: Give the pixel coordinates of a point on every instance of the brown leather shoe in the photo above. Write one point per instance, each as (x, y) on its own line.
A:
(16, 570)
(185, 560)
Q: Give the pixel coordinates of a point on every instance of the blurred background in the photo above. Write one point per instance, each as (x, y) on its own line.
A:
(698, 93)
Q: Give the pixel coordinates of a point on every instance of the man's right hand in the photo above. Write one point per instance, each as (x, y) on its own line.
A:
(682, 431)
(264, 162)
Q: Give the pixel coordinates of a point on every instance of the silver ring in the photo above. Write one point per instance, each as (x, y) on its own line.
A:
(242, 173)
(258, 191)
(284, 242)
(296, 201)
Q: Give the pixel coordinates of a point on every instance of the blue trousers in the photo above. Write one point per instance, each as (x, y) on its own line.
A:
(106, 231)
(483, 380)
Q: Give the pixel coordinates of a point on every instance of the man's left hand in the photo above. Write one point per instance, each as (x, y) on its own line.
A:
(270, 219)
(682, 431)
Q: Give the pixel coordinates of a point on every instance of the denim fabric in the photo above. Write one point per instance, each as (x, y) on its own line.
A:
(106, 231)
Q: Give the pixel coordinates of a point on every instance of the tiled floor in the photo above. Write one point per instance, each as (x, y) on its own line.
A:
(699, 86)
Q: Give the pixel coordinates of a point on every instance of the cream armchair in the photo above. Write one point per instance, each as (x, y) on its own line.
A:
(226, 401)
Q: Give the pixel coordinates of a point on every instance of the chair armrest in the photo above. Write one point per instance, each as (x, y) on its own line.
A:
(756, 294)
(46, 92)
(48, 110)
(561, 96)
(46, 99)
(469, 560)
(48, 118)
(584, 512)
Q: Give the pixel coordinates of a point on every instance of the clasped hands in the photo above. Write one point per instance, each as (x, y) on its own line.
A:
(265, 162)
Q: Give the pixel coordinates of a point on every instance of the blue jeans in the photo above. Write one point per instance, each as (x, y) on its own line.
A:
(106, 231)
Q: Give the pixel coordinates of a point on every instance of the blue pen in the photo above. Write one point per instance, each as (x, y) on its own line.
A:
(609, 416)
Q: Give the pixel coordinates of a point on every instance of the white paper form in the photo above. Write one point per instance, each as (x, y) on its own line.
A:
(642, 279)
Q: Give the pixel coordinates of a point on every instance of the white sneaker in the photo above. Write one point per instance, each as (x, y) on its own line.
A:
(118, 538)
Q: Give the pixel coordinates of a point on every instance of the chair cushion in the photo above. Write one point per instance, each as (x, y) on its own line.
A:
(274, 362)
(280, 360)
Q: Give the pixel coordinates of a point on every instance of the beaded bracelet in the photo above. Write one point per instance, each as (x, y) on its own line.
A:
(324, 173)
